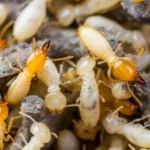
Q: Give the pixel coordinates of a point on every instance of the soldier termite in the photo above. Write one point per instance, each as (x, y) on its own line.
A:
(21, 85)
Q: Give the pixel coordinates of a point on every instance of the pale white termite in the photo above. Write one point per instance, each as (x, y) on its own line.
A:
(66, 137)
(136, 38)
(135, 133)
(55, 100)
(41, 135)
(3, 13)
(69, 13)
(19, 88)
(30, 20)
(89, 105)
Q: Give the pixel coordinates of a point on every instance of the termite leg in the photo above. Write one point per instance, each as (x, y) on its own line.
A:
(7, 138)
(19, 63)
(11, 123)
(71, 63)
(23, 138)
(109, 75)
(34, 44)
(118, 48)
(13, 68)
(17, 145)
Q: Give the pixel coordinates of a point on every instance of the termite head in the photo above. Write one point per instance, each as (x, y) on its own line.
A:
(126, 71)
(36, 61)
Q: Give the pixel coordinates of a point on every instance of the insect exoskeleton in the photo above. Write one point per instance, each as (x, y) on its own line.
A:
(135, 133)
(3, 13)
(55, 100)
(137, 1)
(21, 85)
(41, 135)
(89, 104)
(30, 20)
(98, 45)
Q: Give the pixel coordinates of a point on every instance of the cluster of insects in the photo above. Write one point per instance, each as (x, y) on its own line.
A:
(105, 100)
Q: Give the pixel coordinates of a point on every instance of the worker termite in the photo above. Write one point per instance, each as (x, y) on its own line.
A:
(3, 13)
(34, 64)
(83, 131)
(55, 100)
(89, 105)
(69, 13)
(98, 45)
(41, 135)
(30, 20)
(135, 133)
(135, 37)
(3, 126)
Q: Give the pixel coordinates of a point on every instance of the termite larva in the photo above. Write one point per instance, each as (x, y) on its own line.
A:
(34, 64)
(3, 13)
(30, 20)
(135, 133)
(89, 105)
(98, 45)
(41, 135)
(55, 100)
(69, 13)
(135, 37)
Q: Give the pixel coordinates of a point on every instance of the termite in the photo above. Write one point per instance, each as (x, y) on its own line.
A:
(69, 13)
(135, 133)
(3, 126)
(30, 20)
(34, 64)
(55, 100)
(98, 45)
(136, 38)
(41, 135)
(89, 105)
(3, 13)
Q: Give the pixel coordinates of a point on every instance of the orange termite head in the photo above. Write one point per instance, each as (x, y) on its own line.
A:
(36, 61)
(126, 71)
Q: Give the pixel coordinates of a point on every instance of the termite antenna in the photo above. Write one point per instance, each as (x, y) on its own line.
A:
(64, 58)
(119, 108)
(139, 119)
(54, 134)
(23, 114)
(138, 101)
